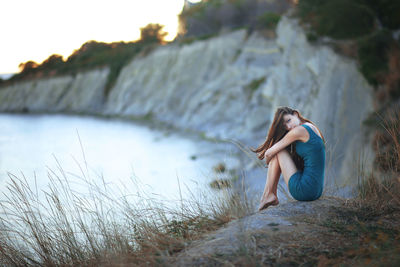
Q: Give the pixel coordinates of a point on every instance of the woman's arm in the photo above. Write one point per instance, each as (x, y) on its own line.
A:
(297, 133)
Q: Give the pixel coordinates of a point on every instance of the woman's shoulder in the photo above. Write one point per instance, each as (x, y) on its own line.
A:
(301, 132)
(299, 128)
(313, 128)
(309, 124)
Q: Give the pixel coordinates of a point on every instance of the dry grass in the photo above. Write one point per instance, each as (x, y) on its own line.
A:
(61, 227)
(381, 188)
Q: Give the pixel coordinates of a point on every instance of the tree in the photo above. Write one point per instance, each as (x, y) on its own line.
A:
(153, 33)
(27, 66)
(52, 62)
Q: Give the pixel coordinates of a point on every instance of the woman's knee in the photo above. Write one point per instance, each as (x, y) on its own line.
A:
(274, 160)
(283, 157)
(287, 165)
(282, 153)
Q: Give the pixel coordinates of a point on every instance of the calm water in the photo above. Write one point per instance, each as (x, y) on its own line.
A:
(115, 153)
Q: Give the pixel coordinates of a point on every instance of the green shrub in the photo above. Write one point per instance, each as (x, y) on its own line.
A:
(387, 11)
(255, 84)
(343, 19)
(209, 17)
(312, 36)
(307, 8)
(339, 19)
(372, 55)
(191, 39)
(268, 20)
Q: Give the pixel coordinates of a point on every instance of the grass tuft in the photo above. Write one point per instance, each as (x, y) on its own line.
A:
(381, 188)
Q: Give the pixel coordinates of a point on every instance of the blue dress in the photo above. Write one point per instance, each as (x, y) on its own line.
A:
(308, 184)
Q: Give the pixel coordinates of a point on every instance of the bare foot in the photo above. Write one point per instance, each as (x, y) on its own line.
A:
(271, 200)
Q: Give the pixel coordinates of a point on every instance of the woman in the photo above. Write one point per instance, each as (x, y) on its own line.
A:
(296, 148)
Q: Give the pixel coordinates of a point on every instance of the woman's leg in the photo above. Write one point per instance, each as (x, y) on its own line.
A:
(281, 163)
(286, 163)
(269, 196)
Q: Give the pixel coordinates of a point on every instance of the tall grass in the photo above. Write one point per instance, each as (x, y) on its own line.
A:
(103, 226)
(381, 188)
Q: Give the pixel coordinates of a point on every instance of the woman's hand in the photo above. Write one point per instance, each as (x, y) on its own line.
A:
(268, 156)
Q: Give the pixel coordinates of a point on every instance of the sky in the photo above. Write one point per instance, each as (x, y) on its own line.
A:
(34, 30)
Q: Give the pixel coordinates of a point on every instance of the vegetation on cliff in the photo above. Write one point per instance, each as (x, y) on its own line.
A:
(209, 17)
(93, 55)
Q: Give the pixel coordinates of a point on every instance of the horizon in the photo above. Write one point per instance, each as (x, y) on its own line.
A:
(46, 27)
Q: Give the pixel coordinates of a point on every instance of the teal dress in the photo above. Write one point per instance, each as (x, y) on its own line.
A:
(308, 184)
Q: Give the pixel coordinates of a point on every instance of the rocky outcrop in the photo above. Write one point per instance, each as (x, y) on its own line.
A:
(325, 232)
(83, 92)
(227, 87)
(266, 232)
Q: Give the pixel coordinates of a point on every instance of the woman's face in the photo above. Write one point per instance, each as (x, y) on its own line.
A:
(290, 121)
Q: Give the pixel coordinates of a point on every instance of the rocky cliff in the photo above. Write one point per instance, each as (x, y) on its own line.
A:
(227, 87)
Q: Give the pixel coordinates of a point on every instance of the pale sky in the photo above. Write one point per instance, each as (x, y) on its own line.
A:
(36, 29)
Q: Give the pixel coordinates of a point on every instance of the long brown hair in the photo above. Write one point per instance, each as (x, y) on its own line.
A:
(277, 131)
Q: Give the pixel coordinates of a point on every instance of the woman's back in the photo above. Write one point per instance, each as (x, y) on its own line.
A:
(313, 154)
(312, 151)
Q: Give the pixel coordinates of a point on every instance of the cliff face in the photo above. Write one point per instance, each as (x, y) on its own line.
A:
(81, 93)
(226, 87)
